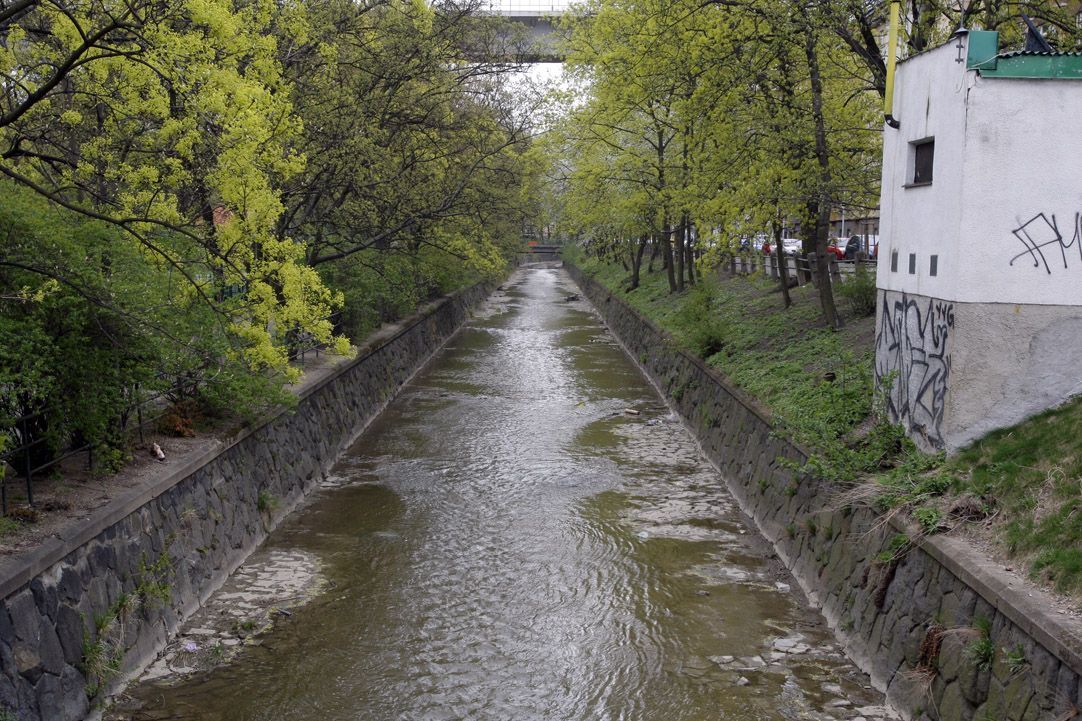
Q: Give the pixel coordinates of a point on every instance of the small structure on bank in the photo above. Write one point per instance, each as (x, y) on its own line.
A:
(979, 322)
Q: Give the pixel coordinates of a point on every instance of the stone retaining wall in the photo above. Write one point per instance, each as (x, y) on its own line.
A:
(83, 613)
(944, 632)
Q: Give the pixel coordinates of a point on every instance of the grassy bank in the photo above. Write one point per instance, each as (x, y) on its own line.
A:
(1017, 488)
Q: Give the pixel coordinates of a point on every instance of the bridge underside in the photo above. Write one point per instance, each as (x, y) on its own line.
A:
(525, 37)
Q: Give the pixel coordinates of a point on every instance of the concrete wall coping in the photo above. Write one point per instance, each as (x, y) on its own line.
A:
(21, 568)
(1032, 609)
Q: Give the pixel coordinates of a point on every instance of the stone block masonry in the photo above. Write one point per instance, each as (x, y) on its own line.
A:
(945, 633)
(83, 613)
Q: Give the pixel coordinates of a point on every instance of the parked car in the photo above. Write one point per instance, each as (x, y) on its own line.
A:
(847, 250)
(837, 252)
(790, 246)
(852, 247)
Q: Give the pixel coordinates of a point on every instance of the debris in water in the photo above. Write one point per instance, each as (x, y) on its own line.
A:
(158, 452)
(643, 535)
(191, 646)
(631, 412)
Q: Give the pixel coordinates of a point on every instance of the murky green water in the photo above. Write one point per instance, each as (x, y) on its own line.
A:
(507, 543)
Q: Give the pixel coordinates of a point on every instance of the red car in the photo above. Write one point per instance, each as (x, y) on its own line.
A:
(791, 246)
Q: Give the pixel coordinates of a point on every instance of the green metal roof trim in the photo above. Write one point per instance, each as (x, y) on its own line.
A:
(983, 56)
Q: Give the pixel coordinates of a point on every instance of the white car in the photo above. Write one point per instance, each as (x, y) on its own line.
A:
(792, 246)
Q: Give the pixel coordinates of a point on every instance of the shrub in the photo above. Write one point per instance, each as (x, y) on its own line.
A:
(701, 324)
(859, 292)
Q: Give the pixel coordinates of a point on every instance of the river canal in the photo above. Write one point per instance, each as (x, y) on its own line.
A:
(526, 533)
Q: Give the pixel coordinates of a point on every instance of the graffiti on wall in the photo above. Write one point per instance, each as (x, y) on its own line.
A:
(913, 362)
(1043, 241)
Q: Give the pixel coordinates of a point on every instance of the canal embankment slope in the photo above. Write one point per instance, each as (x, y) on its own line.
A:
(90, 606)
(946, 631)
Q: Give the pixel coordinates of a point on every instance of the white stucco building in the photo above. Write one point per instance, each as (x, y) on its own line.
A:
(980, 259)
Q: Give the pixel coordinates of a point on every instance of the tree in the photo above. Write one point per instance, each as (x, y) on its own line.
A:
(170, 121)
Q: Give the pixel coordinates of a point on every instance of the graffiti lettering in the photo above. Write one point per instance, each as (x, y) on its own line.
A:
(912, 357)
(1039, 232)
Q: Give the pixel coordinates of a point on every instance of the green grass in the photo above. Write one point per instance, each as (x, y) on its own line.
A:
(1026, 479)
(8, 526)
(817, 383)
(1032, 474)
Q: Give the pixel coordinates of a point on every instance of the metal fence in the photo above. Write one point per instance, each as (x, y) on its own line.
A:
(25, 460)
(801, 267)
(31, 457)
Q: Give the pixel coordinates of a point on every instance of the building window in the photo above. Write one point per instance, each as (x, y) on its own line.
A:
(912, 263)
(933, 265)
(923, 154)
(893, 261)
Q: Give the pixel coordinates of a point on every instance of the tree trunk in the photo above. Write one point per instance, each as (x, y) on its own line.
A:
(636, 262)
(654, 247)
(822, 221)
(680, 257)
(689, 249)
(783, 266)
(667, 235)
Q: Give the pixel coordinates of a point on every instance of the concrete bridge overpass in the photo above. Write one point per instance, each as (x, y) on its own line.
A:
(537, 16)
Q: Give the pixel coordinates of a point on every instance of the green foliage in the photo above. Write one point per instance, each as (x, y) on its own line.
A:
(1016, 659)
(165, 205)
(698, 320)
(380, 287)
(1029, 477)
(103, 654)
(981, 651)
(898, 545)
(109, 459)
(155, 580)
(929, 518)
(103, 646)
(179, 136)
(266, 501)
(859, 291)
(781, 358)
(83, 352)
(1032, 475)
(8, 526)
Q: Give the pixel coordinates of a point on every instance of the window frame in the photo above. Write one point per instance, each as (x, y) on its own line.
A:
(915, 151)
